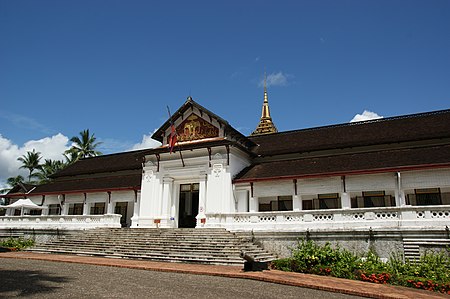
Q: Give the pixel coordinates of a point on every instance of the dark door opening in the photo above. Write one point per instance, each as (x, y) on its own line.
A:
(122, 209)
(188, 208)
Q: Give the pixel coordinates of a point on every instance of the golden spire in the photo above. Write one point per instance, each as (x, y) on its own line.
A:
(265, 125)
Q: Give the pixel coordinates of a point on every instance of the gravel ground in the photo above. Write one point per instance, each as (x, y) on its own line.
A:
(43, 279)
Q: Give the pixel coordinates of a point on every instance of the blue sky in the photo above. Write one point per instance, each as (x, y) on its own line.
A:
(114, 66)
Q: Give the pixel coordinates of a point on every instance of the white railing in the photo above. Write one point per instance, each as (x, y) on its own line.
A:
(380, 217)
(60, 221)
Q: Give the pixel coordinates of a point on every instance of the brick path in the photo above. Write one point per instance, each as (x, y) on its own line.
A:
(338, 285)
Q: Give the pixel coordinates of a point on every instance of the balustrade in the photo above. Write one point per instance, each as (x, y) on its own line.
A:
(380, 217)
(61, 221)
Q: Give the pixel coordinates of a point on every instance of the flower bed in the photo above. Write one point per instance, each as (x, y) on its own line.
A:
(431, 272)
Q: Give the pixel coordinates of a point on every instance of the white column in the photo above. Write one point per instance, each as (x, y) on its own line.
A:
(85, 205)
(44, 212)
(254, 204)
(399, 193)
(345, 201)
(65, 209)
(174, 207)
(243, 200)
(166, 202)
(109, 204)
(135, 217)
(297, 202)
(149, 207)
(201, 201)
(86, 208)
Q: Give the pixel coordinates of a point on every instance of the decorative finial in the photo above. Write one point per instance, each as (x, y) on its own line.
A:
(265, 80)
(265, 125)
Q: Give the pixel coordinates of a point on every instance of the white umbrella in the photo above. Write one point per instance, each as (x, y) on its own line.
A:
(24, 203)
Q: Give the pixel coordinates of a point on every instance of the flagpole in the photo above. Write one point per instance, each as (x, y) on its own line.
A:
(171, 143)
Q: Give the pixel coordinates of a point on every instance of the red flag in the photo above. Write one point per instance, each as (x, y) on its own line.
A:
(172, 138)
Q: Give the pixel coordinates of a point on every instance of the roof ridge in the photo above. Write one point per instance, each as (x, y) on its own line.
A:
(358, 123)
(115, 154)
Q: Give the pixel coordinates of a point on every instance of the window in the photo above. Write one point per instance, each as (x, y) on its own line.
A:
(285, 203)
(54, 209)
(282, 203)
(307, 205)
(373, 199)
(329, 201)
(265, 207)
(35, 212)
(98, 208)
(76, 209)
(428, 197)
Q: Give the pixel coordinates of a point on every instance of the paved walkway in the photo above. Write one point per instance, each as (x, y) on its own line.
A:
(325, 283)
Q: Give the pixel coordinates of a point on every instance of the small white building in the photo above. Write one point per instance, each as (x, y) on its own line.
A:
(385, 173)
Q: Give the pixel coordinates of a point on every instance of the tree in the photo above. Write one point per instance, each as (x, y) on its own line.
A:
(85, 146)
(30, 161)
(49, 168)
(71, 157)
(15, 180)
(12, 182)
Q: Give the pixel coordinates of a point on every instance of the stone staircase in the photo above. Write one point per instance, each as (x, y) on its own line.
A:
(411, 247)
(204, 245)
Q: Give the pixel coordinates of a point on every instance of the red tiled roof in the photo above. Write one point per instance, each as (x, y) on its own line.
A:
(104, 163)
(348, 163)
(91, 184)
(416, 127)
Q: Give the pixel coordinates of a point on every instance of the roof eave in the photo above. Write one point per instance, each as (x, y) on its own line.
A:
(343, 173)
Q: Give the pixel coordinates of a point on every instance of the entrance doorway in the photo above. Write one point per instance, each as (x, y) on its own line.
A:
(188, 208)
(122, 209)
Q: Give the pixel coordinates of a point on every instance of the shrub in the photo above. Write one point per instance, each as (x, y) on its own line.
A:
(17, 243)
(310, 257)
(430, 272)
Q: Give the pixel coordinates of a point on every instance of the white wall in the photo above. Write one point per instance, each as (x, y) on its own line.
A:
(426, 179)
(371, 182)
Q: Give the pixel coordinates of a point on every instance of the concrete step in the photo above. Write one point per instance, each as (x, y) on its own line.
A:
(234, 253)
(216, 246)
(184, 259)
(236, 247)
(156, 242)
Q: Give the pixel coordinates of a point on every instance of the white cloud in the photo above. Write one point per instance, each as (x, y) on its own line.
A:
(275, 79)
(50, 148)
(53, 148)
(366, 115)
(147, 142)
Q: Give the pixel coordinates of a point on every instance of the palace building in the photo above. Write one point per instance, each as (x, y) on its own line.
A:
(390, 173)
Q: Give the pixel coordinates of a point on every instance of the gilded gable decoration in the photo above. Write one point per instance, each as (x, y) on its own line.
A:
(194, 128)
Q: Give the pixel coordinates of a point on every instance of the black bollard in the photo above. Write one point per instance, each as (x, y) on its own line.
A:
(251, 265)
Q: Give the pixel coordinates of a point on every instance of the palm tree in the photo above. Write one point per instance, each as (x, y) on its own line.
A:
(84, 147)
(12, 182)
(30, 161)
(71, 157)
(47, 169)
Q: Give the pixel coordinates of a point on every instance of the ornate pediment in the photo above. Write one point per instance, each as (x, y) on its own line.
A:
(194, 128)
